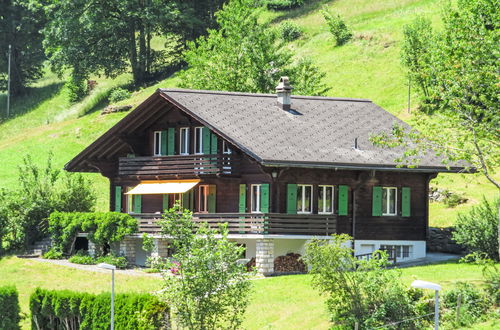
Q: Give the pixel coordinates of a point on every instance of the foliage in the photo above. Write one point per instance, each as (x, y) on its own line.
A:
(76, 87)
(283, 4)
(9, 308)
(472, 304)
(478, 229)
(118, 94)
(82, 258)
(53, 253)
(308, 79)
(40, 192)
(338, 28)
(491, 274)
(243, 55)
(358, 290)
(118, 261)
(102, 228)
(20, 25)
(208, 289)
(74, 310)
(289, 31)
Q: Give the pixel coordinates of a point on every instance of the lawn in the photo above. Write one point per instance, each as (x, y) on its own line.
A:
(277, 302)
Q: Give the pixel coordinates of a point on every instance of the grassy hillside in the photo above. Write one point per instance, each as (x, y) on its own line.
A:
(367, 67)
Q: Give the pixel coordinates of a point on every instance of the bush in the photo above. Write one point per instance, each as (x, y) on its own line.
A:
(118, 94)
(9, 308)
(118, 261)
(338, 28)
(491, 276)
(478, 229)
(75, 310)
(289, 31)
(53, 253)
(283, 4)
(82, 258)
(472, 304)
(76, 88)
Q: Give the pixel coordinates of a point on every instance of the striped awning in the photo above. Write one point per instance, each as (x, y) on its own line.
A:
(163, 187)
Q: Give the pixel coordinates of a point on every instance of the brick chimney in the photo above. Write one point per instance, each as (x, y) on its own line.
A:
(284, 93)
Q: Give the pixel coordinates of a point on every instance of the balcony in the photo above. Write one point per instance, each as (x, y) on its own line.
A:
(185, 165)
(255, 224)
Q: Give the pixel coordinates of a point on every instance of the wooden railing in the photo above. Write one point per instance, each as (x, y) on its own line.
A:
(179, 165)
(255, 223)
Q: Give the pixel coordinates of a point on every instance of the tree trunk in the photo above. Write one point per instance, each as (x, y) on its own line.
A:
(133, 54)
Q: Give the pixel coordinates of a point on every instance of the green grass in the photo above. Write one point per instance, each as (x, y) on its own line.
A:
(282, 302)
(367, 67)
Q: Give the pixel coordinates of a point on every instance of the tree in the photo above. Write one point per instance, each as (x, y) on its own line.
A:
(208, 289)
(20, 26)
(110, 36)
(244, 55)
(358, 291)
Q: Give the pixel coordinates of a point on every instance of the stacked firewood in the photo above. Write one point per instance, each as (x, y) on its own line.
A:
(289, 263)
(251, 265)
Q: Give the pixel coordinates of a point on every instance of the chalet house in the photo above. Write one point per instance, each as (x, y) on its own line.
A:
(279, 169)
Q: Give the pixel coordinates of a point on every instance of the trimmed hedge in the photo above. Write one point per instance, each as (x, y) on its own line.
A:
(9, 308)
(52, 309)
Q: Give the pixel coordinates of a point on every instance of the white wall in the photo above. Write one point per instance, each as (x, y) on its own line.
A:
(418, 248)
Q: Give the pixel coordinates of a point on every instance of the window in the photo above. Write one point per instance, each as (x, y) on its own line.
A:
(130, 201)
(157, 143)
(225, 148)
(389, 201)
(226, 161)
(198, 140)
(203, 198)
(184, 141)
(255, 198)
(304, 198)
(398, 251)
(325, 199)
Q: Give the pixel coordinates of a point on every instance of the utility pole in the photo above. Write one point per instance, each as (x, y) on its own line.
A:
(8, 82)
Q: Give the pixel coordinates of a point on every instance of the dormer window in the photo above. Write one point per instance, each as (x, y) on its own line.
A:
(157, 143)
(184, 141)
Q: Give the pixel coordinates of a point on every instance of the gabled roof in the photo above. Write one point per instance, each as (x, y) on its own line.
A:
(316, 132)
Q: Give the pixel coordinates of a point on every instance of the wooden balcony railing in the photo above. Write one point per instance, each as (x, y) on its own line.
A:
(255, 223)
(179, 165)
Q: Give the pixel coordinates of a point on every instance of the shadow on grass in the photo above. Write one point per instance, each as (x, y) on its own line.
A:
(28, 101)
(301, 11)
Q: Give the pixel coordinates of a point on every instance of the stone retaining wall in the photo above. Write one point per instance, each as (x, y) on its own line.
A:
(440, 240)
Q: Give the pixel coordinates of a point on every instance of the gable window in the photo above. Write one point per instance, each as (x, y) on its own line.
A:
(157, 143)
(184, 141)
(255, 198)
(198, 140)
(389, 200)
(226, 160)
(325, 199)
(304, 198)
(203, 198)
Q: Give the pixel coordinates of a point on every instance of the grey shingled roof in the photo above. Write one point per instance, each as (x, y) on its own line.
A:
(318, 131)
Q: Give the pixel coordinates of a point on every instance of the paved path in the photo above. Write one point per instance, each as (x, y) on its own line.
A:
(431, 258)
(94, 268)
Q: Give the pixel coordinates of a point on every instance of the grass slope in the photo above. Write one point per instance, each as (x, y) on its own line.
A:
(282, 302)
(367, 67)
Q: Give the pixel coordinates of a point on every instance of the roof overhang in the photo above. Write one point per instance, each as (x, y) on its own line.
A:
(163, 187)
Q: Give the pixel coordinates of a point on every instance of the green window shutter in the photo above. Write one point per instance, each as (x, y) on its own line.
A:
(118, 199)
(243, 198)
(377, 202)
(163, 143)
(406, 202)
(164, 202)
(291, 201)
(213, 144)
(212, 197)
(264, 198)
(206, 140)
(137, 203)
(185, 200)
(343, 200)
(171, 141)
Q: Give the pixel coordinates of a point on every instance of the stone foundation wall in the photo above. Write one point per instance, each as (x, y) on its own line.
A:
(127, 248)
(440, 240)
(264, 256)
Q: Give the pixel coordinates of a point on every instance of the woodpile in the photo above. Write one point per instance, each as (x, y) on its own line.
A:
(251, 265)
(290, 263)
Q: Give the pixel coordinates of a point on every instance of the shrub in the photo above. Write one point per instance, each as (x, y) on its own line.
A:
(75, 310)
(491, 275)
(289, 31)
(9, 308)
(53, 253)
(283, 4)
(472, 304)
(478, 229)
(82, 258)
(118, 94)
(337, 27)
(76, 87)
(118, 261)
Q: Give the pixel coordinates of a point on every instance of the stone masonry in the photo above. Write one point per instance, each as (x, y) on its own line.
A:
(160, 248)
(127, 249)
(91, 249)
(264, 256)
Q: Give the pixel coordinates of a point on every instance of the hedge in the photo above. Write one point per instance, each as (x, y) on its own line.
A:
(53, 309)
(9, 308)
